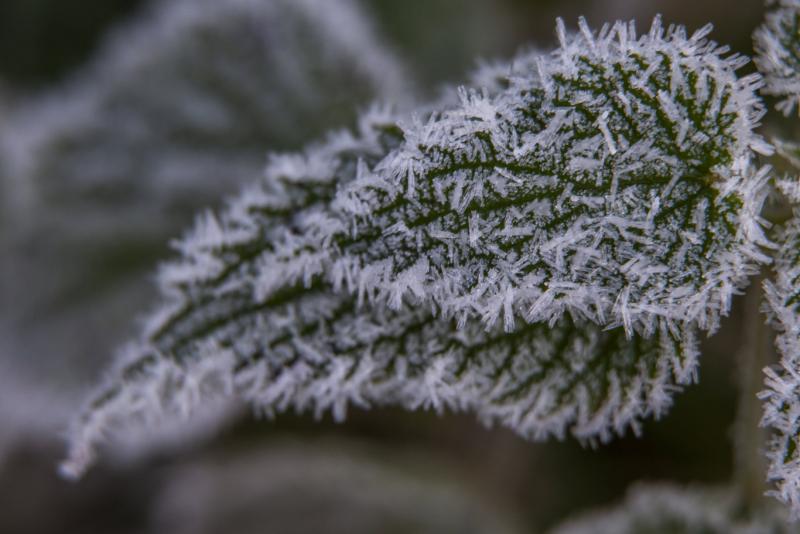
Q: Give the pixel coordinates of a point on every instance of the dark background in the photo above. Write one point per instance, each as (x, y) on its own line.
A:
(42, 40)
(530, 486)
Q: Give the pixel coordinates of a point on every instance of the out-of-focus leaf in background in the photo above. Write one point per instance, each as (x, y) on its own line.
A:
(176, 109)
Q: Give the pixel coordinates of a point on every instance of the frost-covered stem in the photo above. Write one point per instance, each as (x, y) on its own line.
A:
(749, 437)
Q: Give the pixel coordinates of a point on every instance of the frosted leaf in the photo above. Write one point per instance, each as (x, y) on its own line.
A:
(178, 106)
(782, 394)
(302, 346)
(495, 76)
(541, 255)
(777, 46)
(658, 508)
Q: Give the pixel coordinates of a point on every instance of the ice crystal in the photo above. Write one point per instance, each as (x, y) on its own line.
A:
(541, 253)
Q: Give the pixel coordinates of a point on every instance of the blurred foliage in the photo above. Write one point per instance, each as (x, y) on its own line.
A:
(42, 41)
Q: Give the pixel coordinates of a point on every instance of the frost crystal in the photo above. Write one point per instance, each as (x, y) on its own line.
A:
(541, 253)
(777, 45)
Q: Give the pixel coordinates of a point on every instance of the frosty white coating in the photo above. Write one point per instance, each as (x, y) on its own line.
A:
(541, 253)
